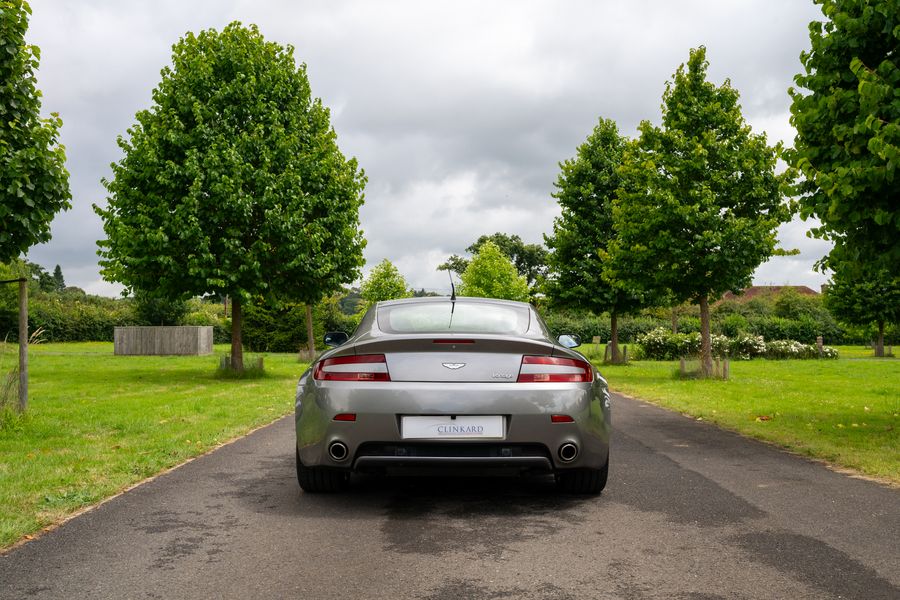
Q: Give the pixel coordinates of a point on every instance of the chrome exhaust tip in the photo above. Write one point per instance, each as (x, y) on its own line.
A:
(338, 451)
(568, 452)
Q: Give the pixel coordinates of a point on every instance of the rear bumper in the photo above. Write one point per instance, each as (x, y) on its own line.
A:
(374, 440)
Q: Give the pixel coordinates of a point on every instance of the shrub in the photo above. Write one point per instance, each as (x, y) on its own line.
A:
(155, 310)
(662, 344)
(790, 349)
(745, 346)
(203, 313)
(733, 325)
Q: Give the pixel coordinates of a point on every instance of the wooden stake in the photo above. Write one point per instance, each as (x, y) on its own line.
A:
(23, 345)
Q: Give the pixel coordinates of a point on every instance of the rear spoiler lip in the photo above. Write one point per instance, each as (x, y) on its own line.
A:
(469, 343)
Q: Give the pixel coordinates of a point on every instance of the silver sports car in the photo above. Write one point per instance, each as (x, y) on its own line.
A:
(462, 382)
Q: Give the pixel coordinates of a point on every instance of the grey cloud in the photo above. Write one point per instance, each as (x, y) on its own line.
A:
(458, 111)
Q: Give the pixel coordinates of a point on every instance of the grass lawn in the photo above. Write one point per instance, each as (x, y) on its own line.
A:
(845, 411)
(98, 423)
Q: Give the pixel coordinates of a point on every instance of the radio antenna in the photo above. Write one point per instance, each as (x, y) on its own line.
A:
(452, 287)
(452, 298)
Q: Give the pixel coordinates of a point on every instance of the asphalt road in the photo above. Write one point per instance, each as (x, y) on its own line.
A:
(690, 512)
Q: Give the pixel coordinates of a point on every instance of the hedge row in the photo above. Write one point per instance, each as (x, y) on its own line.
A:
(804, 328)
(662, 344)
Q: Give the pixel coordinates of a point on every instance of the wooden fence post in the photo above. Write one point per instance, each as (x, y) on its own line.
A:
(23, 345)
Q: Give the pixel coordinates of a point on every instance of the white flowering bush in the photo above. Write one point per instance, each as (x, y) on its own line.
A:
(789, 349)
(662, 344)
(745, 346)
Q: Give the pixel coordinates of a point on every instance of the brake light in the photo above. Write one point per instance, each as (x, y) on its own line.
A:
(364, 367)
(552, 369)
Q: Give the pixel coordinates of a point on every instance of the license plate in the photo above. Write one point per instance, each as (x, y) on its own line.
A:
(452, 428)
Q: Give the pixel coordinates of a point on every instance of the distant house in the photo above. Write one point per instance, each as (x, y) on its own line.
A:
(755, 291)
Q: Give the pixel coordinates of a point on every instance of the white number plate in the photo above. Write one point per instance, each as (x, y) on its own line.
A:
(450, 428)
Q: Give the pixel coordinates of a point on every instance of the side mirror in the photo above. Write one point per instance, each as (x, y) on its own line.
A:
(569, 340)
(333, 339)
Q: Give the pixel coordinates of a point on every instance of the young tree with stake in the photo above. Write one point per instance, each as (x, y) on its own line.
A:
(700, 201)
(585, 189)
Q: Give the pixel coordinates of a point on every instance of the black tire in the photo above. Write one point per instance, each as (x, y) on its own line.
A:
(583, 481)
(320, 480)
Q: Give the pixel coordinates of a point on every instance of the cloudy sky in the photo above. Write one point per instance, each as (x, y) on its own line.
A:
(458, 111)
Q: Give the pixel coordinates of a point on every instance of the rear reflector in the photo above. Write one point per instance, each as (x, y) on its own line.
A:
(345, 417)
(365, 367)
(552, 369)
(557, 419)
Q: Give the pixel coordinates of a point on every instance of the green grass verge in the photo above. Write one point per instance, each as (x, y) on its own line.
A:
(98, 423)
(845, 411)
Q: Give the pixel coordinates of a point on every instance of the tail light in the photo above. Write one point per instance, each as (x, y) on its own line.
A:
(552, 369)
(364, 367)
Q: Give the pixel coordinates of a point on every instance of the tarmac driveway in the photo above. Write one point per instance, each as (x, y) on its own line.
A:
(690, 512)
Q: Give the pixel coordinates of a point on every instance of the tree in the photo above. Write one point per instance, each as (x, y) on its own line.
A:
(847, 116)
(59, 283)
(455, 263)
(34, 183)
(700, 201)
(862, 298)
(491, 274)
(585, 189)
(232, 183)
(530, 260)
(40, 276)
(384, 283)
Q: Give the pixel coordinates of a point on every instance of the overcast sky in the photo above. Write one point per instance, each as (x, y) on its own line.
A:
(459, 112)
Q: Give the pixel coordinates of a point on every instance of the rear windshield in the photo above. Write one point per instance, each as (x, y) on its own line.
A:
(436, 317)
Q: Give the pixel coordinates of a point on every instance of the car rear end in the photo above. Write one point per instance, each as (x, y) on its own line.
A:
(395, 397)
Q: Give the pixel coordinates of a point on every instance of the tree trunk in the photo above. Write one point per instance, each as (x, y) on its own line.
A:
(237, 349)
(879, 343)
(614, 338)
(705, 345)
(23, 345)
(310, 336)
(674, 319)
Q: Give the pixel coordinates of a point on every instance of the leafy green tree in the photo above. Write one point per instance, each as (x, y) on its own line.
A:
(700, 201)
(865, 297)
(59, 282)
(41, 279)
(384, 283)
(585, 189)
(491, 274)
(530, 260)
(454, 263)
(232, 182)
(847, 115)
(34, 183)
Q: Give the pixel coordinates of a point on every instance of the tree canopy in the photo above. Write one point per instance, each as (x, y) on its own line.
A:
(586, 189)
(491, 274)
(34, 183)
(530, 260)
(862, 297)
(700, 202)
(846, 111)
(232, 182)
(384, 283)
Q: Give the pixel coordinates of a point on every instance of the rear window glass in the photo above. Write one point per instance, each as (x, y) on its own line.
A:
(436, 317)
